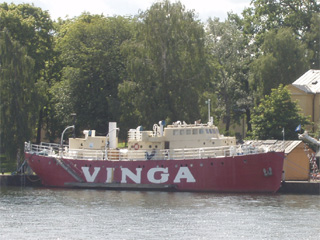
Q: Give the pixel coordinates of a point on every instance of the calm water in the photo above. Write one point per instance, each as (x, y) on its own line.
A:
(40, 213)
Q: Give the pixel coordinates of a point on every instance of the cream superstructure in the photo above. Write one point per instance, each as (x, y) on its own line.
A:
(179, 135)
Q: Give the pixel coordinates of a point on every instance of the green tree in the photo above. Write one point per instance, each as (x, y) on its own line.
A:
(266, 15)
(167, 66)
(33, 29)
(17, 93)
(89, 47)
(227, 45)
(313, 41)
(275, 113)
(282, 61)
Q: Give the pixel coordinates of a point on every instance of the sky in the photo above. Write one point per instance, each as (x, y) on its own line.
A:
(72, 8)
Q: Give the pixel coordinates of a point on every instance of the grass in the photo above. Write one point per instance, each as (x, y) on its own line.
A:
(122, 145)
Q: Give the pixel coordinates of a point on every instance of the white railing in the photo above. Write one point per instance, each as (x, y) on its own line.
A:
(42, 149)
(53, 150)
(84, 154)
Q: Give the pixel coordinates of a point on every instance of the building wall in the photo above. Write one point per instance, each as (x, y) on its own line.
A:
(296, 165)
(317, 110)
(309, 104)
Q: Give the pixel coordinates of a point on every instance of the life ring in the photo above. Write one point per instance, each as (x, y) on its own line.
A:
(136, 146)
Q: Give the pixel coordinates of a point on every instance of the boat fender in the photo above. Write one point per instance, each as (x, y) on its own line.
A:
(136, 146)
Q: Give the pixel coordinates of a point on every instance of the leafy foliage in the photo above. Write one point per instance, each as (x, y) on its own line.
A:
(226, 44)
(93, 66)
(17, 89)
(282, 61)
(26, 39)
(167, 68)
(275, 113)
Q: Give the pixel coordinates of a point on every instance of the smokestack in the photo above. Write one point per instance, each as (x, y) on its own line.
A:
(113, 140)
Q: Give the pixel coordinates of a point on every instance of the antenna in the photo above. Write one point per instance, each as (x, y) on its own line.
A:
(208, 102)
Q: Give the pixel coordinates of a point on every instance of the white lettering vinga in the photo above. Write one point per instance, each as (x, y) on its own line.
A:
(183, 173)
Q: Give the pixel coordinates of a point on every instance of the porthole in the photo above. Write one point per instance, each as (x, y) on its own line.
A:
(204, 143)
(176, 165)
(150, 146)
(222, 163)
(156, 146)
(245, 161)
(191, 165)
(141, 146)
(201, 164)
(211, 164)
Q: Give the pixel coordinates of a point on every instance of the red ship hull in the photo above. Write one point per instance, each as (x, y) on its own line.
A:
(245, 173)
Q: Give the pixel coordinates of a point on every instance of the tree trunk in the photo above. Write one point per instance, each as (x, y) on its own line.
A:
(248, 113)
(39, 127)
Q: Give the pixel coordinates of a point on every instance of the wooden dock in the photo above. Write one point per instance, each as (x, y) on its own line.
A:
(20, 180)
(300, 187)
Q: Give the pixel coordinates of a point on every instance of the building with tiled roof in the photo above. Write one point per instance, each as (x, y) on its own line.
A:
(306, 90)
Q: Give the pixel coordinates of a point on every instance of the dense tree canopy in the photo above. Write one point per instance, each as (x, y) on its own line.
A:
(93, 67)
(282, 60)
(275, 113)
(26, 39)
(17, 89)
(226, 44)
(166, 66)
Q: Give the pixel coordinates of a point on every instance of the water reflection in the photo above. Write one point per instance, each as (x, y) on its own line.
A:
(41, 213)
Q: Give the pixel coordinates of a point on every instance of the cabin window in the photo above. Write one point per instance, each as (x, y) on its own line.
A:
(211, 131)
(207, 131)
(182, 132)
(201, 131)
(194, 131)
(188, 131)
(175, 132)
